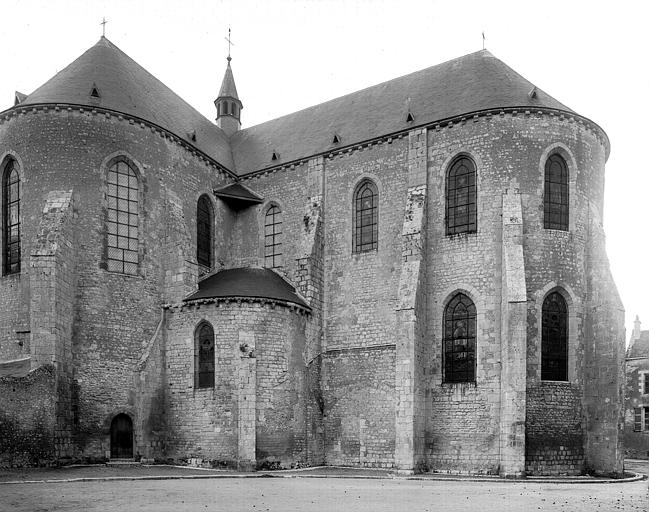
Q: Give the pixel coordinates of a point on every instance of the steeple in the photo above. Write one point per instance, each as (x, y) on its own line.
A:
(228, 105)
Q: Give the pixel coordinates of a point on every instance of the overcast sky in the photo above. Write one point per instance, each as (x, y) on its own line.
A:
(289, 54)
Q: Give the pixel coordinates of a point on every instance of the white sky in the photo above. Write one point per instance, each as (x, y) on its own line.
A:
(289, 54)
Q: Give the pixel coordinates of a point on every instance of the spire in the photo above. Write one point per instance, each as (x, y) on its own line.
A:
(228, 105)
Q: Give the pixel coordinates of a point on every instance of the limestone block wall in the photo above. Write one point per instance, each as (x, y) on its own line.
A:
(53, 286)
(149, 400)
(14, 317)
(509, 151)
(115, 314)
(359, 404)
(259, 359)
(554, 430)
(28, 426)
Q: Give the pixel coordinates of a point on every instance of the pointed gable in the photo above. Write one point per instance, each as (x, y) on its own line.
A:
(124, 86)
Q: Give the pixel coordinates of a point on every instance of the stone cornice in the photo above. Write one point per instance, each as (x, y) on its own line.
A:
(488, 114)
(238, 301)
(121, 116)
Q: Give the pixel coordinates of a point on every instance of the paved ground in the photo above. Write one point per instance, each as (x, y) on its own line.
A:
(323, 494)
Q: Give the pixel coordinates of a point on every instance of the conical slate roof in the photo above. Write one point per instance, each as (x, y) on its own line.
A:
(471, 83)
(121, 84)
(228, 88)
(254, 283)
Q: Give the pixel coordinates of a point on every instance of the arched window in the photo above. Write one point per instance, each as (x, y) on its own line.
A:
(555, 198)
(554, 338)
(273, 237)
(204, 356)
(366, 217)
(204, 221)
(11, 217)
(459, 340)
(461, 216)
(122, 222)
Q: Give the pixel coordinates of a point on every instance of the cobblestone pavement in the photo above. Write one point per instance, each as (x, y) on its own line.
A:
(323, 494)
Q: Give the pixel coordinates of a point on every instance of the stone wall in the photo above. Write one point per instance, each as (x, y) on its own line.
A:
(256, 343)
(554, 431)
(359, 406)
(115, 314)
(28, 426)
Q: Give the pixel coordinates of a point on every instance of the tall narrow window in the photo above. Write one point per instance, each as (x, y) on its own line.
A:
(461, 216)
(204, 221)
(366, 217)
(554, 338)
(273, 237)
(11, 218)
(204, 356)
(122, 223)
(555, 198)
(459, 340)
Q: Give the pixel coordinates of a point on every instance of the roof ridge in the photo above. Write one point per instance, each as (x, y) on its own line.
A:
(358, 91)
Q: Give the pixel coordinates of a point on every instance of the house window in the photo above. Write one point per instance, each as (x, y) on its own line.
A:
(461, 216)
(204, 220)
(122, 223)
(645, 383)
(366, 217)
(273, 237)
(641, 419)
(554, 338)
(459, 340)
(555, 198)
(204, 356)
(11, 218)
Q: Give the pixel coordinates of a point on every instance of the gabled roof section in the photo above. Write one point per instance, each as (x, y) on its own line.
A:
(472, 83)
(253, 283)
(238, 194)
(127, 87)
(228, 88)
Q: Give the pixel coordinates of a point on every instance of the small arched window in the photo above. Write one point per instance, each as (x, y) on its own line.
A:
(273, 237)
(459, 340)
(366, 217)
(554, 338)
(11, 217)
(204, 356)
(461, 213)
(204, 222)
(555, 198)
(123, 219)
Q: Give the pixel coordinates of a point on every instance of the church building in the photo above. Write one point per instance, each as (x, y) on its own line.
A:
(412, 276)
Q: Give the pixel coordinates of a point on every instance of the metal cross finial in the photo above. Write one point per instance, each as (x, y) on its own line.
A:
(483, 38)
(103, 27)
(230, 43)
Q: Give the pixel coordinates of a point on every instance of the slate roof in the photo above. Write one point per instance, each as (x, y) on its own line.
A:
(239, 192)
(125, 86)
(228, 87)
(640, 347)
(472, 83)
(468, 84)
(260, 283)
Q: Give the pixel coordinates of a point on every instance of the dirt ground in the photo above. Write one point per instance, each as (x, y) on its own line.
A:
(319, 494)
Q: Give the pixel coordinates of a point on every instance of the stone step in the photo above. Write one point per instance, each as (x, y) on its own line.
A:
(123, 462)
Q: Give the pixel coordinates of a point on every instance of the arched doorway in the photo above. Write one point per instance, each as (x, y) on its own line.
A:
(121, 437)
